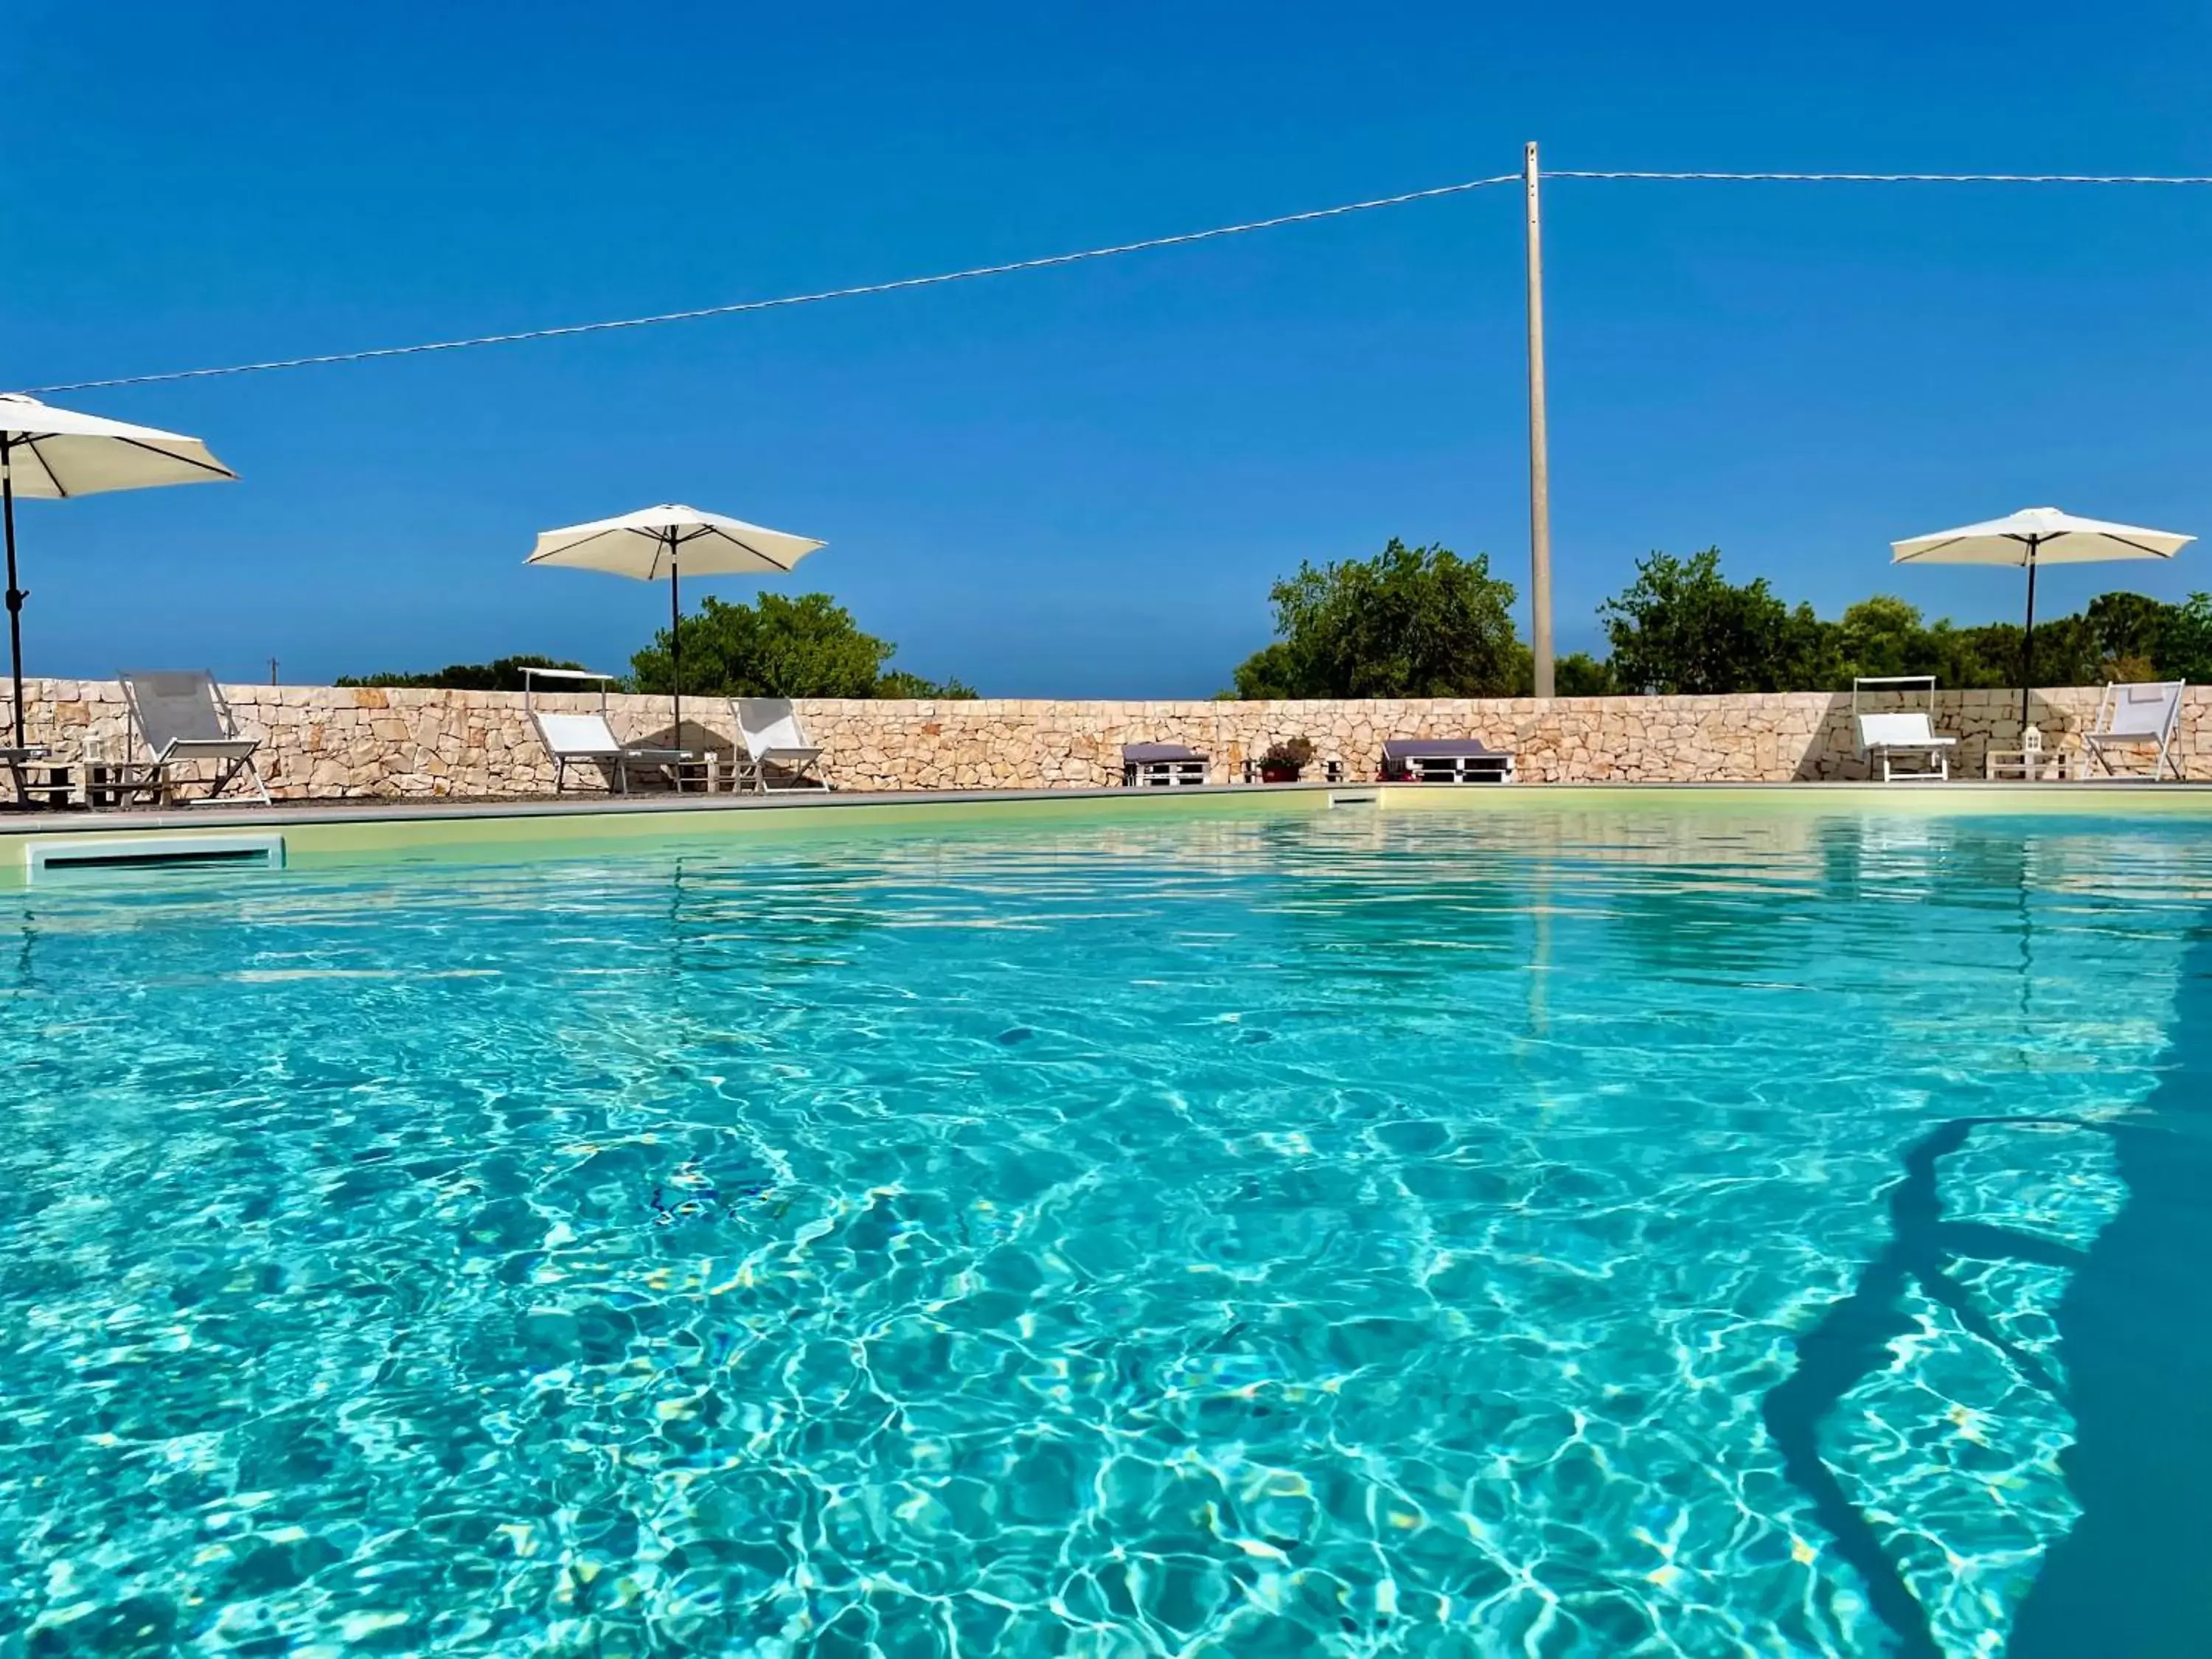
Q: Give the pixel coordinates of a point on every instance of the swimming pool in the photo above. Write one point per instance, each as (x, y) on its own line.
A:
(1561, 1231)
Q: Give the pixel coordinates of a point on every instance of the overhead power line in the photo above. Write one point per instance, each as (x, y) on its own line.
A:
(739, 307)
(1893, 178)
(1049, 261)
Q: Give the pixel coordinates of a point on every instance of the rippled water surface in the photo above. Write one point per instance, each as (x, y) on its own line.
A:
(1533, 1233)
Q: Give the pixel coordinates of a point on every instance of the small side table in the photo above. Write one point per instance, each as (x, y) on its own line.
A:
(699, 772)
(2029, 765)
(123, 783)
(48, 782)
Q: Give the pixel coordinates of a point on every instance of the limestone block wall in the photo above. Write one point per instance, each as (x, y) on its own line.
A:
(321, 742)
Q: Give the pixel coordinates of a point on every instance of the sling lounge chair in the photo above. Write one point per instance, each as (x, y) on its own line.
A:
(185, 722)
(1163, 766)
(1886, 735)
(2136, 718)
(1445, 760)
(586, 740)
(777, 754)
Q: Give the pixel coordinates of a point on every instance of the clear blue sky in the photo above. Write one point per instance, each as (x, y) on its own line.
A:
(1081, 482)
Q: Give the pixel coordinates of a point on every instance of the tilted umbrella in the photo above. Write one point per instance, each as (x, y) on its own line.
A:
(665, 541)
(53, 453)
(2034, 537)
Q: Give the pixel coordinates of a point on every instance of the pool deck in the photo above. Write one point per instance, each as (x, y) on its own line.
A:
(310, 833)
(244, 815)
(1970, 795)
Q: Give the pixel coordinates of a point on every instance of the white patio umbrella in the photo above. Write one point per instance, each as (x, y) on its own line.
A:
(2032, 537)
(53, 453)
(665, 541)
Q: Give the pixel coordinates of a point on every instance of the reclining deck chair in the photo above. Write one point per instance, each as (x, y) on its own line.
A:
(2137, 716)
(587, 739)
(1886, 734)
(777, 754)
(184, 720)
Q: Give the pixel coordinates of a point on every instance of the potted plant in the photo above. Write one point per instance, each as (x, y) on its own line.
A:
(1284, 760)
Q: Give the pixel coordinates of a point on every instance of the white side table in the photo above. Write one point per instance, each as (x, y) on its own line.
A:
(2029, 765)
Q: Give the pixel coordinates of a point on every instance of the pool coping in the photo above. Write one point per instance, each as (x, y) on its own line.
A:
(447, 808)
(2045, 794)
(241, 815)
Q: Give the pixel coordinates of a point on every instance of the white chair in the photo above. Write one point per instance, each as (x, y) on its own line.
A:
(777, 754)
(1885, 735)
(2136, 717)
(586, 740)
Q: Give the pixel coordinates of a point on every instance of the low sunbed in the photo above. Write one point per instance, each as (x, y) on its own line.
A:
(1888, 735)
(1445, 760)
(777, 755)
(2132, 717)
(586, 740)
(1163, 766)
(185, 723)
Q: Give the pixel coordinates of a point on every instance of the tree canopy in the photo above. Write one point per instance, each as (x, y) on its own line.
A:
(1420, 621)
(1682, 629)
(500, 674)
(779, 646)
(1411, 622)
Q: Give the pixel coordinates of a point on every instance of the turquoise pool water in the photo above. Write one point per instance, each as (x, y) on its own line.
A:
(1544, 1234)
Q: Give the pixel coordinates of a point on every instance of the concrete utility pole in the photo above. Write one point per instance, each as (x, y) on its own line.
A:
(1539, 460)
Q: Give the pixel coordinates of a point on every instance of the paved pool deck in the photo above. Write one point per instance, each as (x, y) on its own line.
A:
(668, 811)
(35, 844)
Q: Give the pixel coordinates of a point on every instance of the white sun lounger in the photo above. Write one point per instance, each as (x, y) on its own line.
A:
(1886, 735)
(185, 721)
(586, 740)
(1163, 766)
(777, 754)
(1445, 760)
(2135, 717)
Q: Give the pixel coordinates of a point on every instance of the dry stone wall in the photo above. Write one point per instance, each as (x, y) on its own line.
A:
(321, 742)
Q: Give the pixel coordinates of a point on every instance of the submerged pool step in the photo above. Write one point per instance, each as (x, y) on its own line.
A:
(56, 857)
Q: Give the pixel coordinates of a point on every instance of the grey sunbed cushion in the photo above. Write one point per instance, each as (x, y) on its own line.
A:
(1398, 748)
(1140, 754)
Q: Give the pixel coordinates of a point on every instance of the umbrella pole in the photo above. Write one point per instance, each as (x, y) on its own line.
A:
(675, 643)
(15, 593)
(2027, 645)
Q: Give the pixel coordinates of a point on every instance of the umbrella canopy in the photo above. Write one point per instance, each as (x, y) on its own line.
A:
(57, 453)
(2039, 535)
(651, 544)
(54, 453)
(2031, 537)
(660, 542)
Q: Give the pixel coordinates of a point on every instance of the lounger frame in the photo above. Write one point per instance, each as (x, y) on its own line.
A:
(1452, 762)
(1886, 735)
(768, 758)
(612, 756)
(224, 745)
(2131, 714)
(1164, 766)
